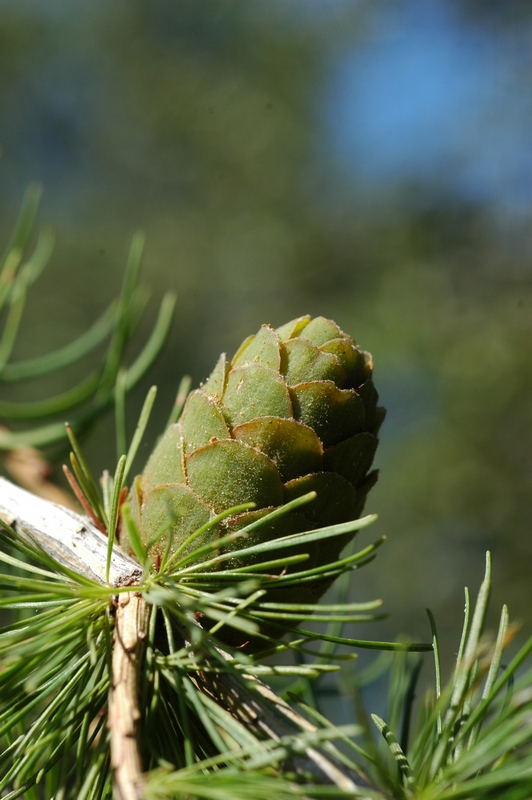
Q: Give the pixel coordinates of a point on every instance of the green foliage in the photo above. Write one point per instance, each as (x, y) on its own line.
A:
(55, 676)
(471, 737)
(83, 403)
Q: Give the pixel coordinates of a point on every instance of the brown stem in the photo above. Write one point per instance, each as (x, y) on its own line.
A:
(131, 628)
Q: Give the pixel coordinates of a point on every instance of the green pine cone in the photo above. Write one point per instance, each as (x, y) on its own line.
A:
(294, 411)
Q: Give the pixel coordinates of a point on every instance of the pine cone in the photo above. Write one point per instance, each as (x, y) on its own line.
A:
(294, 411)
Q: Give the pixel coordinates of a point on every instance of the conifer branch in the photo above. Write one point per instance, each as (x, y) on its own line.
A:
(78, 545)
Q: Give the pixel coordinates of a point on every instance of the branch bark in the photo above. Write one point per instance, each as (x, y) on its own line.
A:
(67, 536)
(131, 629)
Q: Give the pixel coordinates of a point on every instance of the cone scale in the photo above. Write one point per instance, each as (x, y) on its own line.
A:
(294, 411)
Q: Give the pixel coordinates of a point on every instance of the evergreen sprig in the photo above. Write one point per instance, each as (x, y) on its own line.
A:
(472, 737)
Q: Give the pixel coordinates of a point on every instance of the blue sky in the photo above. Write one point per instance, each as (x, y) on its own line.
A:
(429, 96)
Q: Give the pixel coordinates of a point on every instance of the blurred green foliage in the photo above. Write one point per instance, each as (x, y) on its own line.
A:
(200, 123)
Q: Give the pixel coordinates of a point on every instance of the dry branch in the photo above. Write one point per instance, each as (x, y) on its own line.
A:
(67, 536)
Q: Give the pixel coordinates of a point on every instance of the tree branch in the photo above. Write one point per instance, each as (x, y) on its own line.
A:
(67, 536)
(131, 628)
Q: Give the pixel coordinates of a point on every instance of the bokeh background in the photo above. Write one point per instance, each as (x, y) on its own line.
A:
(368, 160)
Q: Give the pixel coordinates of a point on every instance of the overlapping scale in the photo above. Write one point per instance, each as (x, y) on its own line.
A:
(294, 411)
